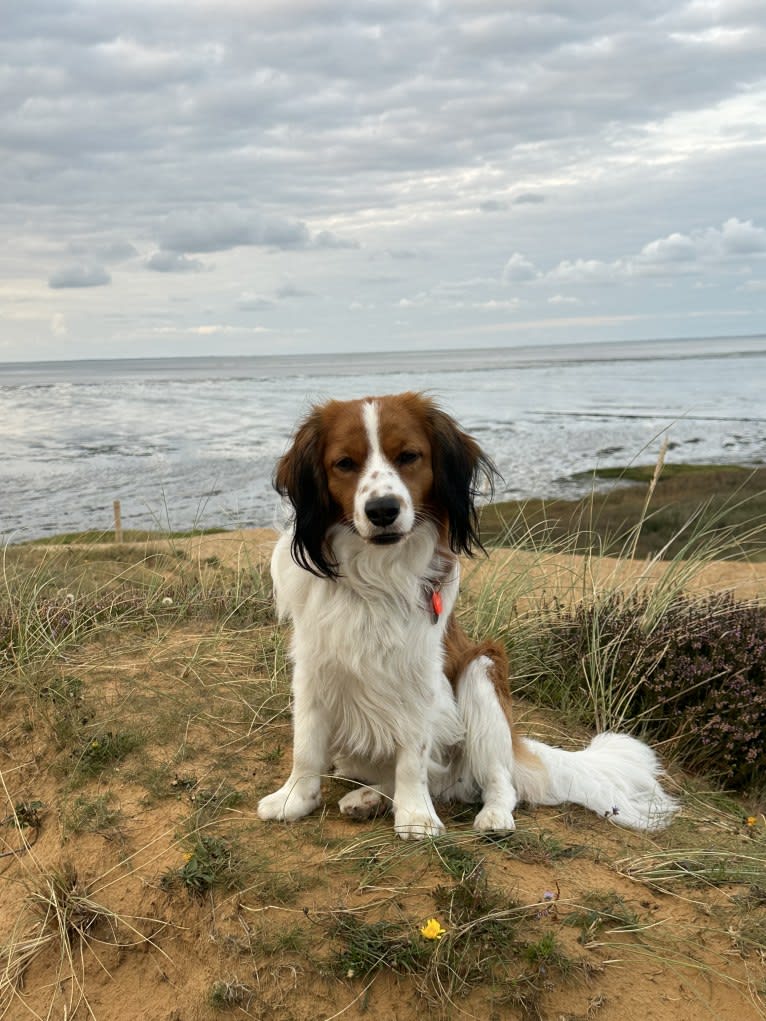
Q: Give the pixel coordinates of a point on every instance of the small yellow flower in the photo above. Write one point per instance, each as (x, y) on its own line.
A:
(432, 929)
(752, 820)
(95, 744)
(188, 855)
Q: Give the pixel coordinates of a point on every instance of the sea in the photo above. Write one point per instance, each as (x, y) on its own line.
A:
(192, 442)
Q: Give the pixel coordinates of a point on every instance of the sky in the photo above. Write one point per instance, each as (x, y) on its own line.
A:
(237, 177)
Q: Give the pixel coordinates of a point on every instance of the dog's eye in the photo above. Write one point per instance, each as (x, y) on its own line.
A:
(407, 457)
(346, 464)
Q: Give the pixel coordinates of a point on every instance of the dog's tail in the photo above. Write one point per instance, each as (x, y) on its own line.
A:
(616, 776)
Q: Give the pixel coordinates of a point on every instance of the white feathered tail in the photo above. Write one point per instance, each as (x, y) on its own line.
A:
(615, 776)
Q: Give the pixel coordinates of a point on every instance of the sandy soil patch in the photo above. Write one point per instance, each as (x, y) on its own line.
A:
(208, 705)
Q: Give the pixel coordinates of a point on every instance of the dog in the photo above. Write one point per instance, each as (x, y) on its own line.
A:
(386, 685)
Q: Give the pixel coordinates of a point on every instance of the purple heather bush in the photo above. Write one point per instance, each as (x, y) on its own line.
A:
(693, 680)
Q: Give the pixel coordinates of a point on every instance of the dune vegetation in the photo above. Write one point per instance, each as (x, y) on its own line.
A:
(147, 708)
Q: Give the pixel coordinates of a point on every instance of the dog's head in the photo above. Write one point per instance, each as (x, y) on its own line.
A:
(380, 466)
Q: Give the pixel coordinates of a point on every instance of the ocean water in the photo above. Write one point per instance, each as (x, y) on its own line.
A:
(192, 441)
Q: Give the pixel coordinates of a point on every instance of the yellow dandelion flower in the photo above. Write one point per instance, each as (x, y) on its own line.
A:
(752, 820)
(188, 855)
(432, 929)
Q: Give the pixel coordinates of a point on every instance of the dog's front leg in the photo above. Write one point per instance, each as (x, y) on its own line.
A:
(414, 813)
(301, 793)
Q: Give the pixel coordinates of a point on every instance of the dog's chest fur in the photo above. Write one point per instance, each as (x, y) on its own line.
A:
(367, 645)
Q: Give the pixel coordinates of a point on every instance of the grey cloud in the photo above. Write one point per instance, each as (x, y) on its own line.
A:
(742, 238)
(293, 97)
(79, 276)
(403, 254)
(104, 251)
(116, 251)
(173, 262)
(529, 198)
(251, 302)
(299, 125)
(409, 109)
(326, 239)
(519, 268)
(289, 290)
(216, 230)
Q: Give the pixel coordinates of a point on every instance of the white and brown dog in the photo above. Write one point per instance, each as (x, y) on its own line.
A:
(386, 685)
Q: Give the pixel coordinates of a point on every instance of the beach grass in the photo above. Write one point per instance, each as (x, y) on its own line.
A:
(147, 709)
(129, 536)
(692, 506)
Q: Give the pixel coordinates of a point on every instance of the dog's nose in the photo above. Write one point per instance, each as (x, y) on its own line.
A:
(382, 510)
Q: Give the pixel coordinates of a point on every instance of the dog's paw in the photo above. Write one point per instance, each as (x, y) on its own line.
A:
(416, 825)
(289, 803)
(362, 803)
(494, 819)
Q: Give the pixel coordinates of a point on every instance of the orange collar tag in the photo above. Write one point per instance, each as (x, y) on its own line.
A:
(436, 604)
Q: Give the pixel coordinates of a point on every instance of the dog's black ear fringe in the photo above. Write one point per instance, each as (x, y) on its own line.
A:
(459, 467)
(300, 477)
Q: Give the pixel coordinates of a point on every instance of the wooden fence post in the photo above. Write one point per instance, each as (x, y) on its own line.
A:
(117, 522)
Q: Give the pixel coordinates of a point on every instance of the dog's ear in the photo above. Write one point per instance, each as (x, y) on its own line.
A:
(300, 476)
(459, 466)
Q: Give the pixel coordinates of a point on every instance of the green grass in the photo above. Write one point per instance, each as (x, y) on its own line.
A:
(129, 535)
(103, 750)
(231, 992)
(174, 717)
(209, 861)
(693, 507)
(601, 910)
(96, 814)
(695, 868)
(51, 600)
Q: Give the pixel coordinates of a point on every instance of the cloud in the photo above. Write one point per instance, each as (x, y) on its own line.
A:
(584, 271)
(220, 229)
(733, 242)
(493, 206)
(173, 262)
(290, 290)
(116, 251)
(674, 248)
(450, 135)
(252, 302)
(79, 276)
(676, 254)
(742, 238)
(403, 254)
(326, 239)
(217, 230)
(529, 198)
(518, 269)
